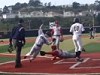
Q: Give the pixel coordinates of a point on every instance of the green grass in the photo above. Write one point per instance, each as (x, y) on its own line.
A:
(92, 47)
(5, 59)
(3, 48)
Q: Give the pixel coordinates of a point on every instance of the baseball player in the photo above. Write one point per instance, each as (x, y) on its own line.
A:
(77, 30)
(40, 40)
(91, 33)
(58, 53)
(57, 35)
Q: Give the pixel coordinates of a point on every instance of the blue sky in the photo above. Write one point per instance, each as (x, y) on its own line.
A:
(54, 2)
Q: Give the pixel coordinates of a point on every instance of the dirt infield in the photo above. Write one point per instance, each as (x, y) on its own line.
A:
(44, 65)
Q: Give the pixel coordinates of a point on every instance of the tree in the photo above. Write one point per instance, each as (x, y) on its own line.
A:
(84, 7)
(49, 4)
(5, 9)
(35, 3)
(97, 3)
(24, 5)
(98, 19)
(76, 5)
(17, 6)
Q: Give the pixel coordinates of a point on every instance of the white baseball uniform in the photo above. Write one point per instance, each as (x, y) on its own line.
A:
(56, 35)
(77, 30)
(40, 40)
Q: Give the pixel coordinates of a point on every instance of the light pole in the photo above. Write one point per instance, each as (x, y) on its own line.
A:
(93, 21)
(29, 21)
(94, 13)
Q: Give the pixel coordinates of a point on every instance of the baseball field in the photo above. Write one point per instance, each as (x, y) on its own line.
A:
(43, 65)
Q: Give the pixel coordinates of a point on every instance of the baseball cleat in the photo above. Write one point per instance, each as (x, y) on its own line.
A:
(30, 59)
(79, 59)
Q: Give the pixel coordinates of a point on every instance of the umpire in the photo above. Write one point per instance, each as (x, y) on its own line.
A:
(17, 38)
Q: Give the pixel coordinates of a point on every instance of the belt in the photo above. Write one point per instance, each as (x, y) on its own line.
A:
(56, 35)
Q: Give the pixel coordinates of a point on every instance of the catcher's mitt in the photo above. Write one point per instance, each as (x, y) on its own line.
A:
(61, 40)
(42, 53)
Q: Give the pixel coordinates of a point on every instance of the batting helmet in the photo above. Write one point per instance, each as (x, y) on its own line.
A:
(21, 21)
(76, 20)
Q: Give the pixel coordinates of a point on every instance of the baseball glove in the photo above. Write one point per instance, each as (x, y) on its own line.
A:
(42, 53)
(10, 48)
(61, 39)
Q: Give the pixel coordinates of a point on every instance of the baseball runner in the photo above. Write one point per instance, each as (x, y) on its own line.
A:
(40, 40)
(58, 53)
(77, 30)
(57, 35)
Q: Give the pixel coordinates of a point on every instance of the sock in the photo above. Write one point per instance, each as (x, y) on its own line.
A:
(79, 53)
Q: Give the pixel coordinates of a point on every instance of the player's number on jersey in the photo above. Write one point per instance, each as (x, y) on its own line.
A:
(76, 28)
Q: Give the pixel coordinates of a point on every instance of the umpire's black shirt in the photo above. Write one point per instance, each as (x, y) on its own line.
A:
(18, 33)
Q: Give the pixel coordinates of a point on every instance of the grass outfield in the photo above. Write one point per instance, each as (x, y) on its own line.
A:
(91, 45)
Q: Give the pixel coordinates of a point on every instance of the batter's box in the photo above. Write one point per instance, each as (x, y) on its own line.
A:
(92, 63)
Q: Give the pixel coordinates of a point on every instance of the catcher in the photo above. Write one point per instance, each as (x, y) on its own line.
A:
(59, 53)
